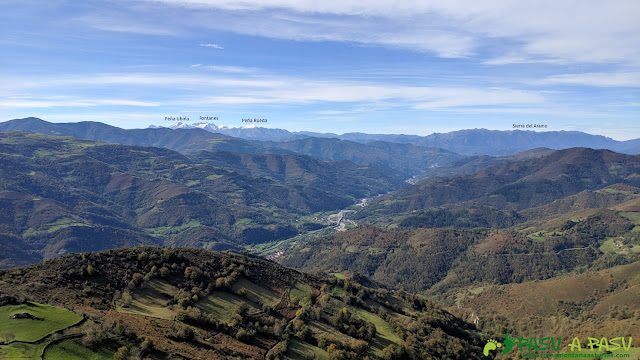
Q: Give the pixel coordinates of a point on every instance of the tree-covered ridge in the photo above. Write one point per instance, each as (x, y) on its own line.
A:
(269, 310)
(583, 304)
(419, 259)
(515, 185)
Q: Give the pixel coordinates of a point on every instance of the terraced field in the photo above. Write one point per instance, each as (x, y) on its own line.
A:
(73, 349)
(151, 300)
(224, 305)
(301, 350)
(256, 293)
(300, 293)
(385, 335)
(321, 328)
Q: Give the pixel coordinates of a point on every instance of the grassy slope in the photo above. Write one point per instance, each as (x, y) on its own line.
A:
(256, 293)
(22, 351)
(223, 305)
(299, 292)
(384, 333)
(72, 349)
(32, 330)
(301, 350)
(322, 328)
(591, 304)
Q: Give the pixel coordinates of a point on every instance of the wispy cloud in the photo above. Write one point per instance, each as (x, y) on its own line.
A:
(230, 69)
(214, 46)
(538, 31)
(549, 112)
(71, 102)
(154, 80)
(600, 79)
(454, 98)
(339, 60)
(521, 59)
(125, 23)
(259, 89)
(137, 29)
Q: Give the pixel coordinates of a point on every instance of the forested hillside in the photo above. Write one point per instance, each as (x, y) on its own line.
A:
(186, 304)
(62, 194)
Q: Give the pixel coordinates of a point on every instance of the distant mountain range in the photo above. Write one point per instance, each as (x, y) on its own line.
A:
(248, 132)
(465, 142)
(404, 160)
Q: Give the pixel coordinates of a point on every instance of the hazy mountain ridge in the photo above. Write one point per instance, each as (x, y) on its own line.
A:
(248, 132)
(470, 142)
(471, 165)
(482, 141)
(408, 160)
(405, 160)
(183, 141)
(355, 180)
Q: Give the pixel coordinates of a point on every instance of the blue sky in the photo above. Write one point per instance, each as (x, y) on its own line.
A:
(414, 67)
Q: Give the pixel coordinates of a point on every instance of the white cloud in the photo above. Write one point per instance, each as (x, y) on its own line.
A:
(453, 98)
(128, 28)
(545, 30)
(124, 102)
(120, 22)
(414, 34)
(71, 102)
(601, 79)
(214, 46)
(233, 100)
(230, 69)
(335, 112)
(521, 59)
(169, 80)
(187, 89)
(549, 112)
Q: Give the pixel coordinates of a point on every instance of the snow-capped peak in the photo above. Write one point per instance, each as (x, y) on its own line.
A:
(179, 125)
(200, 125)
(204, 125)
(250, 132)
